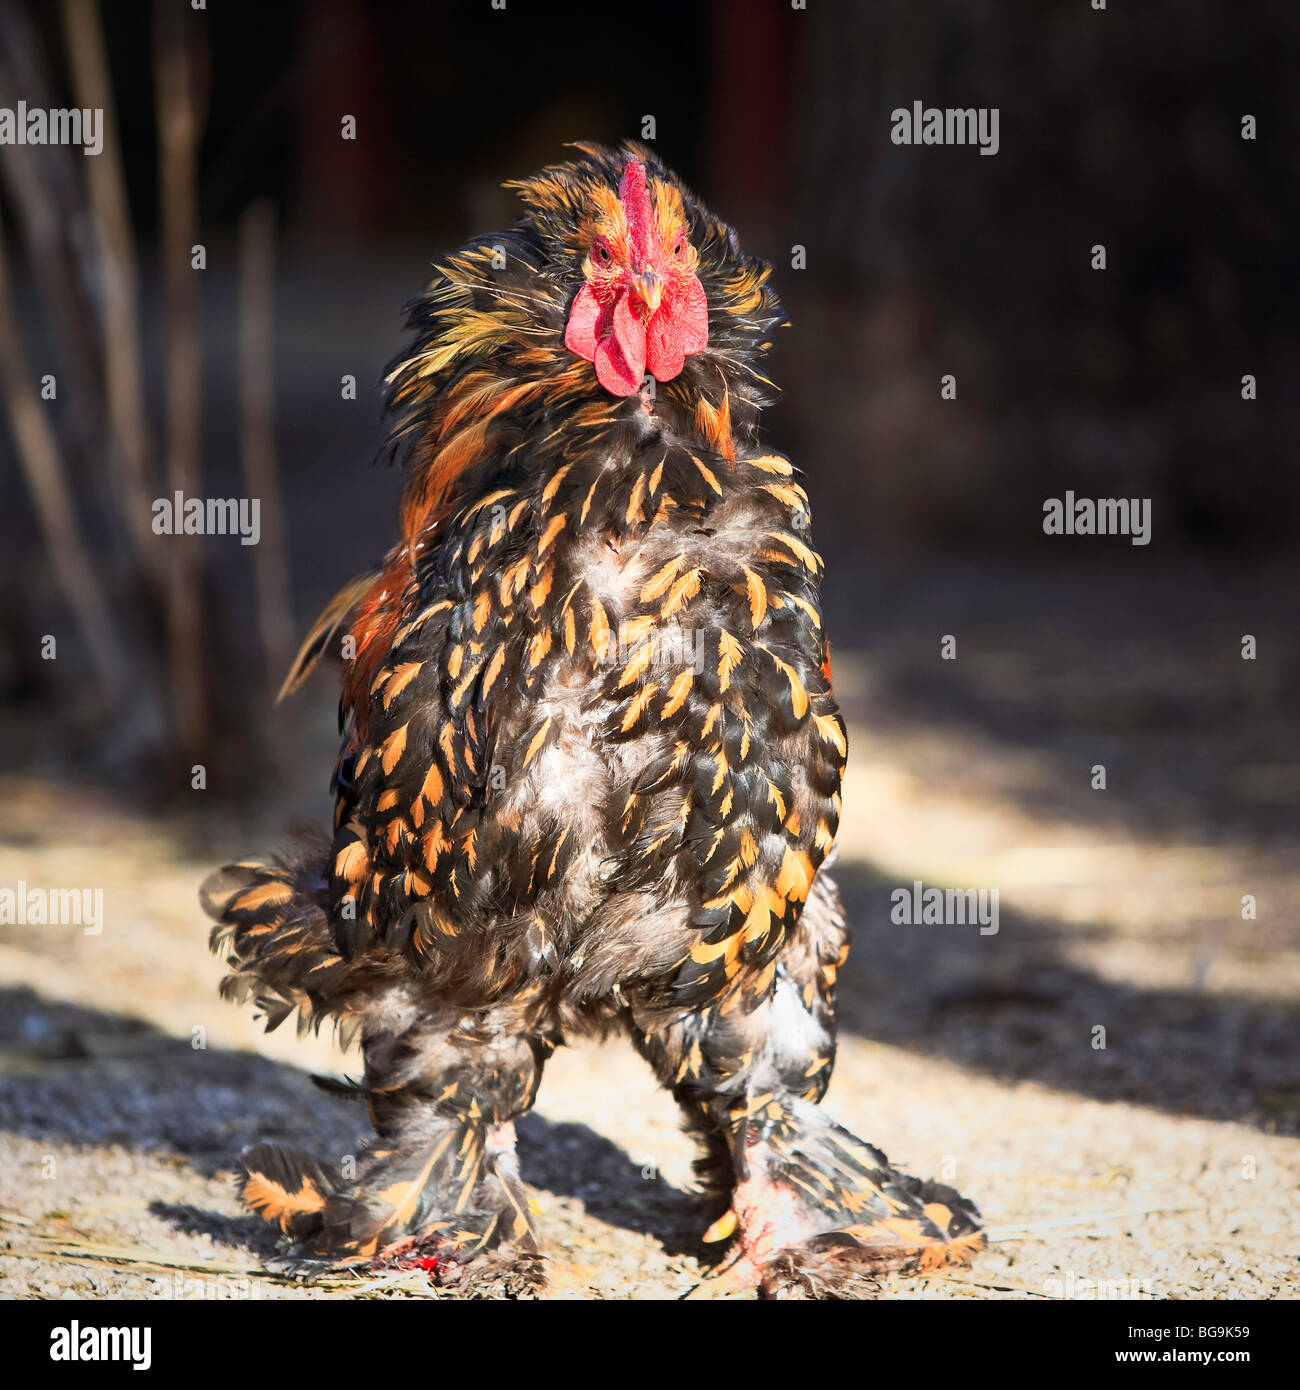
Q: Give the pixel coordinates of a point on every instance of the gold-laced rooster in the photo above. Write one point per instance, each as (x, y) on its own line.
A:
(590, 771)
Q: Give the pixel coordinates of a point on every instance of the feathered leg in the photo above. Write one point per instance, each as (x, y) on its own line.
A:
(438, 1188)
(816, 1211)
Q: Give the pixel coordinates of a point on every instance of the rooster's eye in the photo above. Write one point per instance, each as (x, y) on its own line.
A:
(680, 247)
(602, 252)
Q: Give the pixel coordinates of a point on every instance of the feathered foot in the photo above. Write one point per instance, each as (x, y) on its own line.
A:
(821, 1214)
(453, 1207)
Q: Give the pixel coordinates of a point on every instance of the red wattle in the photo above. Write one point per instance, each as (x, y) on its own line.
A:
(677, 329)
(620, 355)
(612, 337)
(580, 333)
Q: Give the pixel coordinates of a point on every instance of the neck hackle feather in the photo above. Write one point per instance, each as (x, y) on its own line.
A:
(488, 373)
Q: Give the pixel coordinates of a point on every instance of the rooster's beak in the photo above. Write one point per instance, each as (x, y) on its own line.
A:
(648, 288)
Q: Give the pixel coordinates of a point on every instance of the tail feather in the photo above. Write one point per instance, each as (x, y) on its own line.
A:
(336, 613)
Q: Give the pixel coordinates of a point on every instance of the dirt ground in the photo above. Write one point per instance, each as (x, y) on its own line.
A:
(1164, 1165)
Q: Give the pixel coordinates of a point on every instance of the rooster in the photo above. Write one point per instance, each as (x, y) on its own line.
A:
(590, 769)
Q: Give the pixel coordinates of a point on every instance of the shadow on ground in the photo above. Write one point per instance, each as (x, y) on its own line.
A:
(87, 1078)
(1014, 1006)
(1057, 668)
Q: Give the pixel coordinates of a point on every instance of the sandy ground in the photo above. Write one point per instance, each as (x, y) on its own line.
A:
(1164, 1165)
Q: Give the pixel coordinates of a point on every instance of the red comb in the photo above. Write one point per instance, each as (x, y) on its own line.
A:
(635, 197)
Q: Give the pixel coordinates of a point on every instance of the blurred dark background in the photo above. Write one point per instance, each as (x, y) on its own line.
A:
(1120, 127)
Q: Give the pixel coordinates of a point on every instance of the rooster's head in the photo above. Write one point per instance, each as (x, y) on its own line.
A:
(642, 307)
(548, 330)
